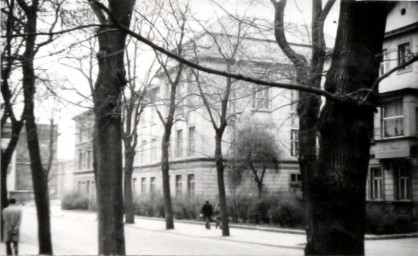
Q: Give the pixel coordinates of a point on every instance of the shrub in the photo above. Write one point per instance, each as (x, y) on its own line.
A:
(75, 201)
(381, 221)
(288, 214)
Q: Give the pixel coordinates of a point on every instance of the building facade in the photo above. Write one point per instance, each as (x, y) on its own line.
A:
(19, 176)
(392, 182)
(393, 174)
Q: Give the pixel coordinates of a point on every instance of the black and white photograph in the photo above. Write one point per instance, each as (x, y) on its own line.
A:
(209, 127)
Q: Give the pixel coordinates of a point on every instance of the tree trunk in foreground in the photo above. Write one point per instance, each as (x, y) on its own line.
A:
(108, 128)
(129, 208)
(337, 189)
(221, 183)
(39, 175)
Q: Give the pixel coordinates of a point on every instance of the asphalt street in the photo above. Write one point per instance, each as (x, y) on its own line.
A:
(75, 233)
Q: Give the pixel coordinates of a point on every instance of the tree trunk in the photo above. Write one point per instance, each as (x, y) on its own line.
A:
(129, 208)
(168, 210)
(337, 189)
(221, 183)
(108, 127)
(6, 157)
(39, 178)
(108, 144)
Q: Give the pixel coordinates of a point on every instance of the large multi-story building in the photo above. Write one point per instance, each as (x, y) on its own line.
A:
(393, 175)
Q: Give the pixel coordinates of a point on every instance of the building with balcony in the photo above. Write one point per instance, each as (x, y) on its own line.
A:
(393, 175)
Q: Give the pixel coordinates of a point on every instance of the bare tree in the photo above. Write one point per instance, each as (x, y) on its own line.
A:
(176, 14)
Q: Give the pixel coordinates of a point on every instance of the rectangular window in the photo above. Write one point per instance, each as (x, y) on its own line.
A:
(142, 152)
(294, 143)
(384, 65)
(295, 181)
(88, 188)
(179, 185)
(143, 186)
(134, 186)
(403, 183)
(294, 99)
(393, 119)
(80, 160)
(89, 159)
(152, 187)
(191, 146)
(404, 54)
(190, 185)
(179, 143)
(261, 98)
(376, 187)
(154, 150)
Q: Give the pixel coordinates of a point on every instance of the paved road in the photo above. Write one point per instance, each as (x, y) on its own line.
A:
(75, 233)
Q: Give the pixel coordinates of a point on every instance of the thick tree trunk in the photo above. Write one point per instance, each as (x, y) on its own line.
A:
(168, 209)
(129, 208)
(221, 183)
(337, 188)
(39, 177)
(108, 144)
(108, 127)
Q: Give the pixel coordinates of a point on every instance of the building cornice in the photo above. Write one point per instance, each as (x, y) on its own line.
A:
(400, 92)
(402, 30)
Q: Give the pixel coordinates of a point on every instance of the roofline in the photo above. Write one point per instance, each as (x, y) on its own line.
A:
(402, 30)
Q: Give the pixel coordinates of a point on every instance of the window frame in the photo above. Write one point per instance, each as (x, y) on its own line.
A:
(191, 147)
(403, 194)
(376, 194)
(179, 185)
(256, 98)
(179, 143)
(294, 143)
(191, 184)
(384, 119)
(405, 56)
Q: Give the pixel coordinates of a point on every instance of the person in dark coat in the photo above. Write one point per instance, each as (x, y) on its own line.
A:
(12, 216)
(207, 212)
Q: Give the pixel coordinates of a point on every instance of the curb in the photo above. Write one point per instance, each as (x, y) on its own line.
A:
(286, 231)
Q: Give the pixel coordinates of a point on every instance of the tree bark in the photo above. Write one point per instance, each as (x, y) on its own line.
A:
(337, 188)
(129, 208)
(221, 183)
(165, 166)
(108, 128)
(39, 178)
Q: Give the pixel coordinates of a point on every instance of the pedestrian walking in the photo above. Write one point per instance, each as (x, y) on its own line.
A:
(12, 216)
(218, 216)
(207, 212)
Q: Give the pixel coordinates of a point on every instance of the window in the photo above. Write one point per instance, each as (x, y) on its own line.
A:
(295, 181)
(393, 119)
(80, 160)
(384, 65)
(143, 186)
(89, 159)
(376, 187)
(79, 186)
(179, 143)
(294, 143)
(294, 98)
(178, 185)
(80, 133)
(134, 186)
(191, 146)
(404, 54)
(88, 188)
(190, 185)
(153, 150)
(142, 152)
(261, 98)
(152, 188)
(403, 183)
